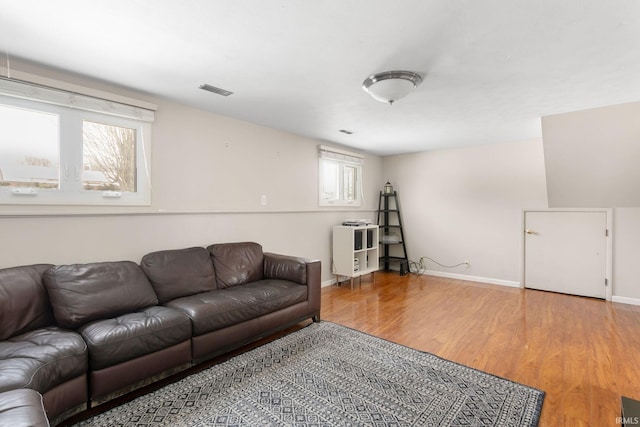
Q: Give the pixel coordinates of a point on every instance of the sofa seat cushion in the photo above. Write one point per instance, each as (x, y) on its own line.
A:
(42, 359)
(126, 337)
(22, 408)
(210, 311)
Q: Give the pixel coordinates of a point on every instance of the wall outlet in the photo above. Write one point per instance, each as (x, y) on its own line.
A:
(263, 200)
(467, 263)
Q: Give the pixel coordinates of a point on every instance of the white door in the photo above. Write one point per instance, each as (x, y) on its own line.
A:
(566, 251)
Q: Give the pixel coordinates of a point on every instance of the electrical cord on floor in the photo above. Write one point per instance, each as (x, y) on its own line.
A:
(418, 267)
(443, 265)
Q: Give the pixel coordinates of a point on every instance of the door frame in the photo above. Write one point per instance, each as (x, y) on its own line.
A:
(609, 243)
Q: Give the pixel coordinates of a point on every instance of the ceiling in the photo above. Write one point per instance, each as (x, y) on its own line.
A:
(491, 68)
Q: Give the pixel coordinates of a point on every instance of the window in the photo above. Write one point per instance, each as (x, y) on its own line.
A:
(29, 147)
(109, 157)
(340, 177)
(59, 147)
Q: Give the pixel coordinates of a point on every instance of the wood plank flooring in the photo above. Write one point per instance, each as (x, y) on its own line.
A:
(584, 353)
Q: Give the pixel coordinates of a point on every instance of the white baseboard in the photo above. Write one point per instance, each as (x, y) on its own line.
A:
(491, 281)
(509, 283)
(625, 300)
(327, 283)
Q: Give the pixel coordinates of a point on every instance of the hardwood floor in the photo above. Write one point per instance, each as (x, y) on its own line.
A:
(584, 353)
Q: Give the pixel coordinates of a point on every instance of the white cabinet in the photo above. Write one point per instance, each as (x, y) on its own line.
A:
(355, 250)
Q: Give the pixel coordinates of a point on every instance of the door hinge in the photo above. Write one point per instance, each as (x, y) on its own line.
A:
(606, 282)
(606, 232)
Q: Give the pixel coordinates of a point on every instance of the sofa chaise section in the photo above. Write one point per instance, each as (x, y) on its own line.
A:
(35, 353)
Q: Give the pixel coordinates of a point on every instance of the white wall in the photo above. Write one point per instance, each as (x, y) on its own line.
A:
(591, 157)
(76, 239)
(202, 161)
(466, 204)
(208, 175)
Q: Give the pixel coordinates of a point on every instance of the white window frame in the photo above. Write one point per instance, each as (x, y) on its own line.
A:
(342, 159)
(73, 109)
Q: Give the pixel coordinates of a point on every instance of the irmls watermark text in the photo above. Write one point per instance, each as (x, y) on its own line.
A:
(628, 421)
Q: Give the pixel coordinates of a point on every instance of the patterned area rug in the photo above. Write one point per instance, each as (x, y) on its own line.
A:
(330, 375)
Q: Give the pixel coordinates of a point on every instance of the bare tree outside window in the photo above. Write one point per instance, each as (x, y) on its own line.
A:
(109, 157)
(36, 161)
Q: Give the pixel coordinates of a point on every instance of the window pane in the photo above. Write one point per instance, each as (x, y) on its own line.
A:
(350, 174)
(109, 157)
(330, 177)
(29, 148)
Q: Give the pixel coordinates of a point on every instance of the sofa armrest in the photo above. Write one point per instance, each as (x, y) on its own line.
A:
(22, 407)
(285, 267)
(300, 270)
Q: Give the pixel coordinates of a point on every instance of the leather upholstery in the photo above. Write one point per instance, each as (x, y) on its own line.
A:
(66, 399)
(108, 383)
(214, 310)
(273, 295)
(285, 267)
(237, 263)
(24, 303)
(220, 341)
(22, 408)
(81, 293)
(215, 300)
(178, 273)
(314, 286)
(132, 335)
(41, 359)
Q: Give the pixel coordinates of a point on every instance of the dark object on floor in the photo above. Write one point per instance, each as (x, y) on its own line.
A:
(629, 412)
(394, 249)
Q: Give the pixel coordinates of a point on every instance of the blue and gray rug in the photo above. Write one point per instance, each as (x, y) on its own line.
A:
(329, 375)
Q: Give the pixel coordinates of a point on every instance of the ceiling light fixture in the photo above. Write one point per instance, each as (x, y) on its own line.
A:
(391, 85)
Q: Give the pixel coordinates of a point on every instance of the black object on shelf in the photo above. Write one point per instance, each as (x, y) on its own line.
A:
(357, 244)
(369, 238)
(391, 233)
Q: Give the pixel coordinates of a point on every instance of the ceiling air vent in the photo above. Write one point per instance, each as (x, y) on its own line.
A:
(216, 90)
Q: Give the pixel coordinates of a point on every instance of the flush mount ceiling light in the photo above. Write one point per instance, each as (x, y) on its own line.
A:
(391, 85)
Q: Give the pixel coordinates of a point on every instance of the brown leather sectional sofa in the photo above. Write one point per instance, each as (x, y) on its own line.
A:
(83, 334)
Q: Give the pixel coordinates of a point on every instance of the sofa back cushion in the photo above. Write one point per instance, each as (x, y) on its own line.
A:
(179, 273)
(237, 263)
(24, 303)
(81, 293)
